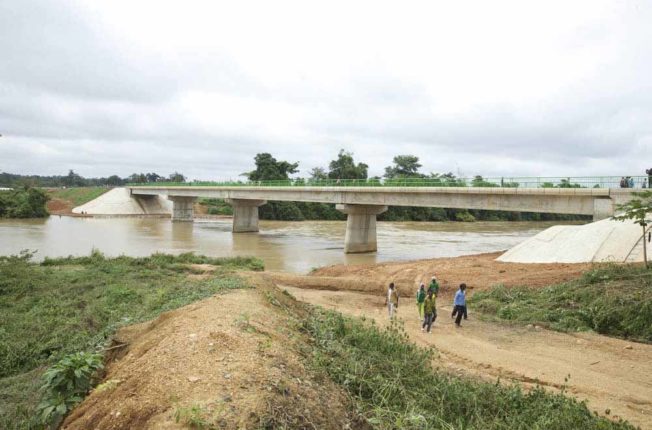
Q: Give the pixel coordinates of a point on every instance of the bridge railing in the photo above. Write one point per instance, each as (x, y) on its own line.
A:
(439, 181)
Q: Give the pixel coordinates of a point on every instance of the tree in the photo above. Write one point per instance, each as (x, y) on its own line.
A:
(405, 166)
(137, 178)
(344, 167)
(269, 169)
(155, 177)
(73, 179)
(175, 177)
(114, 180)
(318, 174)
(637, 209)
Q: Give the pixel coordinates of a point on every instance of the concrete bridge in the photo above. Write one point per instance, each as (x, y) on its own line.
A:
(363, 204)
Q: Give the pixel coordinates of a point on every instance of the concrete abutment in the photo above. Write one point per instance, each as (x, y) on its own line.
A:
(360, 227)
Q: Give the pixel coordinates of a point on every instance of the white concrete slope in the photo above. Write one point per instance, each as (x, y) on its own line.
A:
(602, 241)
(119, 201)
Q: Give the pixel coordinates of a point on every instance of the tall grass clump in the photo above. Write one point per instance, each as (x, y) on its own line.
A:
(614, 300)
(395, 387)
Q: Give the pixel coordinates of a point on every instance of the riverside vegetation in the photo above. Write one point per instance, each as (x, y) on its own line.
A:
(23, 203)
(613, 300)
(61, 313)
(394, 385)
(60, 307)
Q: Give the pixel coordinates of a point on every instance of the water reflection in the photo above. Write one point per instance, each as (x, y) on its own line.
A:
(288, 246)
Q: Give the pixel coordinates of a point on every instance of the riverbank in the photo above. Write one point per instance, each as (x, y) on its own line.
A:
(244, 354)
(67, 305)
(265, 360)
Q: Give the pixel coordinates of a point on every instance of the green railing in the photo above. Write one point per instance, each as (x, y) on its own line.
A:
(509, 182)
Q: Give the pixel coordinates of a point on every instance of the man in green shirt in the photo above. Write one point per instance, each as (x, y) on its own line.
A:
(434, 286)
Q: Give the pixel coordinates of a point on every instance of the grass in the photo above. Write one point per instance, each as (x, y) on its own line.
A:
(77, 196)
(67, 305)
(394, 385)
(611, 300)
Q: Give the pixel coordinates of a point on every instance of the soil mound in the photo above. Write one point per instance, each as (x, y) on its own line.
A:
(231, 361)
(477, 271)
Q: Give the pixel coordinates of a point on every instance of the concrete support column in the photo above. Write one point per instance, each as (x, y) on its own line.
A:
(182, 208)
(360, 227)
(245, 214)
(602, 208)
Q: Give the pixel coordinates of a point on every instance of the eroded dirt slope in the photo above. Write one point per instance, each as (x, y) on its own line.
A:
(232, 361)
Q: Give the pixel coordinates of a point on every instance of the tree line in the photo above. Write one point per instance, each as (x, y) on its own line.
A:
(73, 179)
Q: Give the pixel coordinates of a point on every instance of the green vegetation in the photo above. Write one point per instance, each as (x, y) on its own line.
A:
(23, 203)
(638, 210)
(66, 384)
(77, 196)
(73, 179)
(216, 206)
(395, 387)
(613, 300)
(68, 305)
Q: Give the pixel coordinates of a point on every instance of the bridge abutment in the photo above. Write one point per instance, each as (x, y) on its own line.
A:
(245, 214)
(182, 208)
(360, 227)
(602, 208)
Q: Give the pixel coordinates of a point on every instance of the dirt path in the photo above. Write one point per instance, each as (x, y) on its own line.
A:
(611, 374)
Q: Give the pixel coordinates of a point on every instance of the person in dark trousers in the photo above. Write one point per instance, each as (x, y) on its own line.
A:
(430, 311)
(421, 298)
(460, 305)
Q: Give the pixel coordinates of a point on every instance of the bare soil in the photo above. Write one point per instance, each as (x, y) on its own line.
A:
(237, 358)
(59, 207)
(479, 272)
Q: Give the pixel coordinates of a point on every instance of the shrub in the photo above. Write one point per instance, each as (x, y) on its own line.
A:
(65, 385)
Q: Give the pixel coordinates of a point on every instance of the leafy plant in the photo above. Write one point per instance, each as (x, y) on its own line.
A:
(637, 210)
(66, 383)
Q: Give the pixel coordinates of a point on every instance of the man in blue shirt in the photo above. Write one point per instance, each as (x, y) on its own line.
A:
(460, 305)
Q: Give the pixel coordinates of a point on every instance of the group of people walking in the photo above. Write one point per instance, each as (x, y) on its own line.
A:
(427, 303)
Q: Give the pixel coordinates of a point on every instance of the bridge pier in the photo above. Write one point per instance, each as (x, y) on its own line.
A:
(360, 227)
(182, 208)
(245, 214)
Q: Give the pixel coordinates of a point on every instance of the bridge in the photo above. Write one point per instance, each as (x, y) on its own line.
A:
(363, 200)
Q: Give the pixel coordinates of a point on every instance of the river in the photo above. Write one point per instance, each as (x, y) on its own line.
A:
(286, 246)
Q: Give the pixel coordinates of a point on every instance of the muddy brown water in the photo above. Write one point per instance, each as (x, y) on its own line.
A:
(284, 246)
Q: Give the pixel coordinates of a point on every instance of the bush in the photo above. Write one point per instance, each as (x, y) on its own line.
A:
(65, 385)
(611, 300)
(23, 203)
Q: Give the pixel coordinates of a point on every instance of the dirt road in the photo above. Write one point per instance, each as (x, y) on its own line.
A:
(613, 375)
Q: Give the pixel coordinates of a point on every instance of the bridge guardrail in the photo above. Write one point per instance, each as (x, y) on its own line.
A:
(441, 181)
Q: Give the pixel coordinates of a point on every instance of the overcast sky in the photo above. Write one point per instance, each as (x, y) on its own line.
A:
(496, 88)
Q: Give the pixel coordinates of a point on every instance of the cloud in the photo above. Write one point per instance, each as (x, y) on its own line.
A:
(500, 89)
